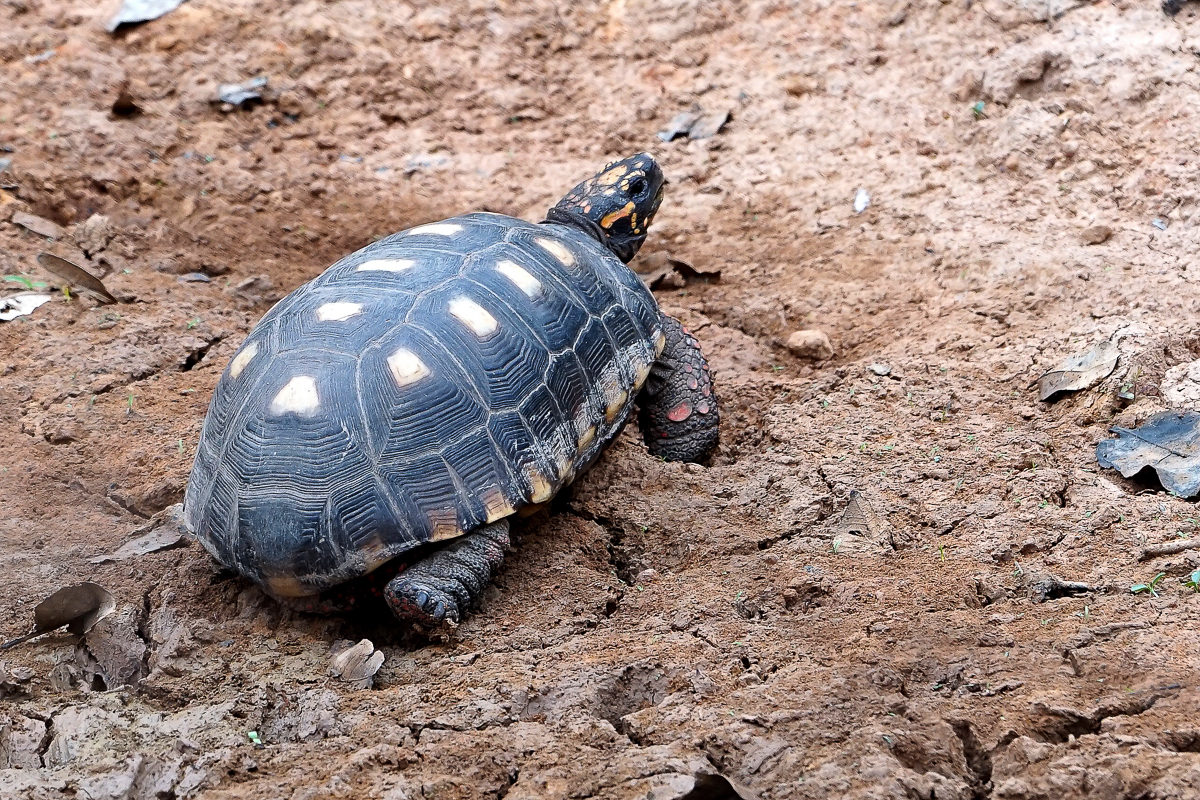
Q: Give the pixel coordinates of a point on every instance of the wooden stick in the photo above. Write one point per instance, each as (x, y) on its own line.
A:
(1168, 548)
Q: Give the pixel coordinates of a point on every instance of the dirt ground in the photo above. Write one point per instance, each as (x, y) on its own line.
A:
(962, 627)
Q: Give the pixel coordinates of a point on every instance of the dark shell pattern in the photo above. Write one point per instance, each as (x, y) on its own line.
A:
(434, 381)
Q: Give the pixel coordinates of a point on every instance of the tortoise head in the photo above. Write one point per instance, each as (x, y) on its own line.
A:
(620, 201)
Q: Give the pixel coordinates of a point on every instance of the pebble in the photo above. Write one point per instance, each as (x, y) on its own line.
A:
(862, 199)
(647, 576)
(1097, 234)
(810, 344)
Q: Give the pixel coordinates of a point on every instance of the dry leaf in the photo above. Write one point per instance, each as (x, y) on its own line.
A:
(357, 664)
(135, 11)
(1168, 443)
(1080, 371)
(78, 607)
(75, 275)
(163, 538)
(38, 225)
(658, 270)
(695, 125)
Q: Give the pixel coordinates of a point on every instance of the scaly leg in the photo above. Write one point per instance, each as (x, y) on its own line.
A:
(678, 408)
(442, 586)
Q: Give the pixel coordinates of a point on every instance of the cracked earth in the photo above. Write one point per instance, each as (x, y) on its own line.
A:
(901, 576)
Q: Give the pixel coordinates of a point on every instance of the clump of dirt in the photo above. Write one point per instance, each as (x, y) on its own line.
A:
(902, 576)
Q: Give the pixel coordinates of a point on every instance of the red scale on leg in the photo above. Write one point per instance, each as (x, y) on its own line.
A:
(680, 412)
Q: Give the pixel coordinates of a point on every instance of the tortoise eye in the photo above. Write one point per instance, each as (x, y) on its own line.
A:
(637, 186)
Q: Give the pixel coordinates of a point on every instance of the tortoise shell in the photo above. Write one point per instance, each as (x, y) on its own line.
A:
(434, 381)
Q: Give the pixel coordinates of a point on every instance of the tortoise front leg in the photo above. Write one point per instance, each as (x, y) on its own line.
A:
(443, 585)
(678, 408)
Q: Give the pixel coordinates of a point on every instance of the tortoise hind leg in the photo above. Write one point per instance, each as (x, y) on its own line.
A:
(678, 408)
(442, 586)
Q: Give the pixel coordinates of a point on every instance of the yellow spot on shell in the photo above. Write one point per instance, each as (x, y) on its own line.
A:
(338, 312)
(643, 373)
(660, 342)
(541, 491)
(474, 316)
(588, 437)
(496, 505)
(386, 265)
(298, 396)
(375, 551)
(520, 277)
(616, 406)
(406, 367)
(286, 586)
(242, 359)
(443, 524)
(558, 250)
(436, 229)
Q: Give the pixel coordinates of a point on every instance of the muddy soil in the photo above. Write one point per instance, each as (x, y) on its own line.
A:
(902, 576)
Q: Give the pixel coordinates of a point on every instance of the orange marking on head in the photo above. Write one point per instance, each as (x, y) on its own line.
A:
(610, 219)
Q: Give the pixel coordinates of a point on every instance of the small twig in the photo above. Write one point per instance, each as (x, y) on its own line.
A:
(1168, 549)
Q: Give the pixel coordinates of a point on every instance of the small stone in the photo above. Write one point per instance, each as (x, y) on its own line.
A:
(965, 86)
(862, 199)
(882, 370)
(1097, 234)
(812, 344)
(94, 234)
(799, 85)
(647, 576)
(64, 434)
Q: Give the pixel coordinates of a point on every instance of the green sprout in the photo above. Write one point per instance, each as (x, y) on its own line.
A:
(977, 109)
(1192, 581)
(31, 285)
(1150, 588)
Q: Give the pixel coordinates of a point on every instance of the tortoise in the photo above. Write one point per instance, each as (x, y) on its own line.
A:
(403, 405)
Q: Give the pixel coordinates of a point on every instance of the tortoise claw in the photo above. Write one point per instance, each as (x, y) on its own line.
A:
(421, 604)
(441, 587)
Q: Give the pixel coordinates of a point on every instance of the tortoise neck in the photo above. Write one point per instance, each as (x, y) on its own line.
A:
(575, 219)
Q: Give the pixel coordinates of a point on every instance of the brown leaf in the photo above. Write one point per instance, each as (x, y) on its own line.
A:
(356, 664)
(78, 607)
(39, 225)
(658, 270)
(77, 276)
(1080, 371)
(164, 538)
